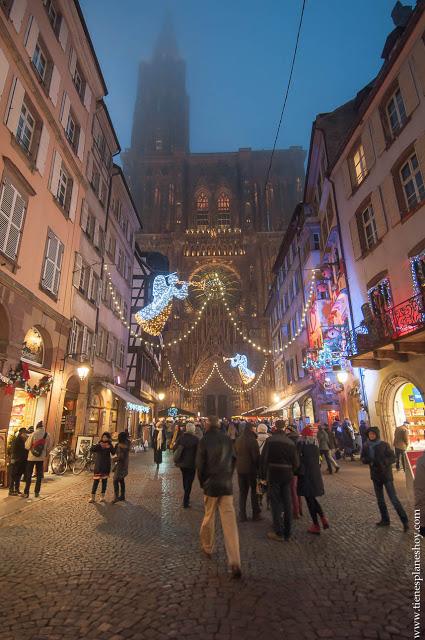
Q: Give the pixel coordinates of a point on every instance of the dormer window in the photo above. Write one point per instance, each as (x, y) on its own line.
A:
(396, 111)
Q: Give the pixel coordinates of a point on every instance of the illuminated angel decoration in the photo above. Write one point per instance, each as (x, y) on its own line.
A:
(241, 362)
(153, 317)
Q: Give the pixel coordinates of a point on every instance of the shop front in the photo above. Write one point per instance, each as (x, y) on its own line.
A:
(128, 411)
(409, 408)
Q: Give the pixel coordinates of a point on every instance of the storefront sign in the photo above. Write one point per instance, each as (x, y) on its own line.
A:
(413, 457)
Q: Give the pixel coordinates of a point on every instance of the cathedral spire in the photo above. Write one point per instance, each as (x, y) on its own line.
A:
(166, 44)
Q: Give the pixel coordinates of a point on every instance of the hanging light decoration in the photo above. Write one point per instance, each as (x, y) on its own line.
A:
(214, 369)
(153, 317)
(241, 361)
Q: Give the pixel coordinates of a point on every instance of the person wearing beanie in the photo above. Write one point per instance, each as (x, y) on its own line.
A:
(310, 482)
(279, 461)
(380, 457)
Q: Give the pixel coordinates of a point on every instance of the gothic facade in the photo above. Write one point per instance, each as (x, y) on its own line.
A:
(209, 213)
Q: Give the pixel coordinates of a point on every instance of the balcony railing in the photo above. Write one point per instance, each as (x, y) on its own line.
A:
(399, 321)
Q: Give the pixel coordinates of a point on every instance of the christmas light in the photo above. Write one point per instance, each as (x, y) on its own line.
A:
(214, 369)
(241, 361)
(153, 317)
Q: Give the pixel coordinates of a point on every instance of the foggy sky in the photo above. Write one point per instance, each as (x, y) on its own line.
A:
(238, 55)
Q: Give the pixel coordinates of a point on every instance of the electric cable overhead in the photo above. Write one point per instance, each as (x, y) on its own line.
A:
(288, 86)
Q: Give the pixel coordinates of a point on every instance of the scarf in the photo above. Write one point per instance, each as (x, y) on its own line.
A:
(159, 438)
(371, 447)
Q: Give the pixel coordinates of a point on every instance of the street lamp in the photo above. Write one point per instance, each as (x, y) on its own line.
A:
(83, 368)
(83, 371)
(276, 397)
(161, 396)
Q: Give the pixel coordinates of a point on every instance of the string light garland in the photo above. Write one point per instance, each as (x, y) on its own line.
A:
(214, 369)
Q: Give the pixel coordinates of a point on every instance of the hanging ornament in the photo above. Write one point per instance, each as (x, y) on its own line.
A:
(241, 362)
(153, 317)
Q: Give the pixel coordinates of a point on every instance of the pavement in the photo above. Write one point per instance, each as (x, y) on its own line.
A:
(71, 570)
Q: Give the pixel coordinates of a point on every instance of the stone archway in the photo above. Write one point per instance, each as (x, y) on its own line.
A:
(386, 398)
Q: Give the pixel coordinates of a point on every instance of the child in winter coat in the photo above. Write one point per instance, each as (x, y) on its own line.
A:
(102, 465)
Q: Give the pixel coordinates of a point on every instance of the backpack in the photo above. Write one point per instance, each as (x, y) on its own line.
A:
(38, 446)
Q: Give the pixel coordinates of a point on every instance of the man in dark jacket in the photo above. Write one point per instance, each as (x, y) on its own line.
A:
(215, 462)
(247, 462)
(279, 461)
(18, 456)
(380, 458)
(186, 447)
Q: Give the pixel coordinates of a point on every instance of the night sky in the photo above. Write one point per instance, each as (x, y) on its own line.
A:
(238, 54)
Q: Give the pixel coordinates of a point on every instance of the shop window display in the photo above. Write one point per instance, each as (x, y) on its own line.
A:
(409, 407)
(33, 347)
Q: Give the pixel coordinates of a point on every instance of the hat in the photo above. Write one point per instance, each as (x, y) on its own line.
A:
(307, 432)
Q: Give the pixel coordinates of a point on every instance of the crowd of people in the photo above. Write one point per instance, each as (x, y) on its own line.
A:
(277, 464)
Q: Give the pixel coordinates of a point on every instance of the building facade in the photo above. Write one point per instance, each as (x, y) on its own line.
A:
(378, 176)
(212, 215)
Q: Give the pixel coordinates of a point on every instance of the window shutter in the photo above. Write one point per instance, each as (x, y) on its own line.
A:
(378, 211)
(99, 293)
(58, 268)
(389, 199)
(50, 262)
(63, 34)
(87, 97)
(31, 36)
(4, 70)
(355, 239)
(76, 274)
(90, 285)
(418, 53)
(56, 167)
(74, 199)
(408, 89)
(66, 105)
(377, 131)
(12, 212)
(13, 110)
(72, 343)
(72, 61)
(84, 216)
(81, 141)
(346, 178)
(54, 85)
(368, 148)
(420, 154)
(43, 148)
(84, 341)
(96, 234)
(17, 12)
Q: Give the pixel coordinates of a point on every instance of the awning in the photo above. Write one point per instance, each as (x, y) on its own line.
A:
(175, 412)
(288, 401)
(132, 403)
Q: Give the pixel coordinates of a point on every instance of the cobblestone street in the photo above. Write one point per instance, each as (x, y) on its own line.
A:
(73, 570)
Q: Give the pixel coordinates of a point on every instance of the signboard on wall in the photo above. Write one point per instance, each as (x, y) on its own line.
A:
(413, 457)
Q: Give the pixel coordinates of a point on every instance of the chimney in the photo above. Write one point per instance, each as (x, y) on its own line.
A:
(401, 14)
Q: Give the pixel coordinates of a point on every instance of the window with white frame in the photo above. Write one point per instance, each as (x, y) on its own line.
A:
(79, 81)
(39, 60)
(412, 182)
(52, 266)
(396, 111)
(72, 131)
(26, 128)
(368, 225)
(12, 213)
(52, 14)
(64, 191)
(358, 165)
(111, 348)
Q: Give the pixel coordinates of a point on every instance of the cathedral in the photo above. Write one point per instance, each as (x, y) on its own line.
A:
(219, 226)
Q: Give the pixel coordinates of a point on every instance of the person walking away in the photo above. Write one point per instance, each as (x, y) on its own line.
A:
(232, 431)
(178, 430)
(122, 452)
(159, 442)
(38, 445)
(348, 439)
(401, 442)
(104, 449)
(297, 509)
(18, 458)
(324, 446)
(310, 481)
(215, 463)
(247, 463)
(262, 435)
(419, 489)
(185, 458)
(332, 447)
(199, 432)
(380, 457)
(279, 461)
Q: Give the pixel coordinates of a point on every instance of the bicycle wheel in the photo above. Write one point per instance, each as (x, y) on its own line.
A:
(78, 465)
(59, 465)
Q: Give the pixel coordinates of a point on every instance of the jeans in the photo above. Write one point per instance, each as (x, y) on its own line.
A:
(400, 453)
(28, 472)
(280, 498)
(96, 484)
(188, 476)
(119, 484)
(17, 471)
(314, 508)
(379, 485)
(224, 504)
(248, 481)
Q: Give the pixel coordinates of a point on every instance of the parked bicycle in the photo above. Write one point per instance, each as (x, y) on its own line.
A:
(84, 461)
(62, 459)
